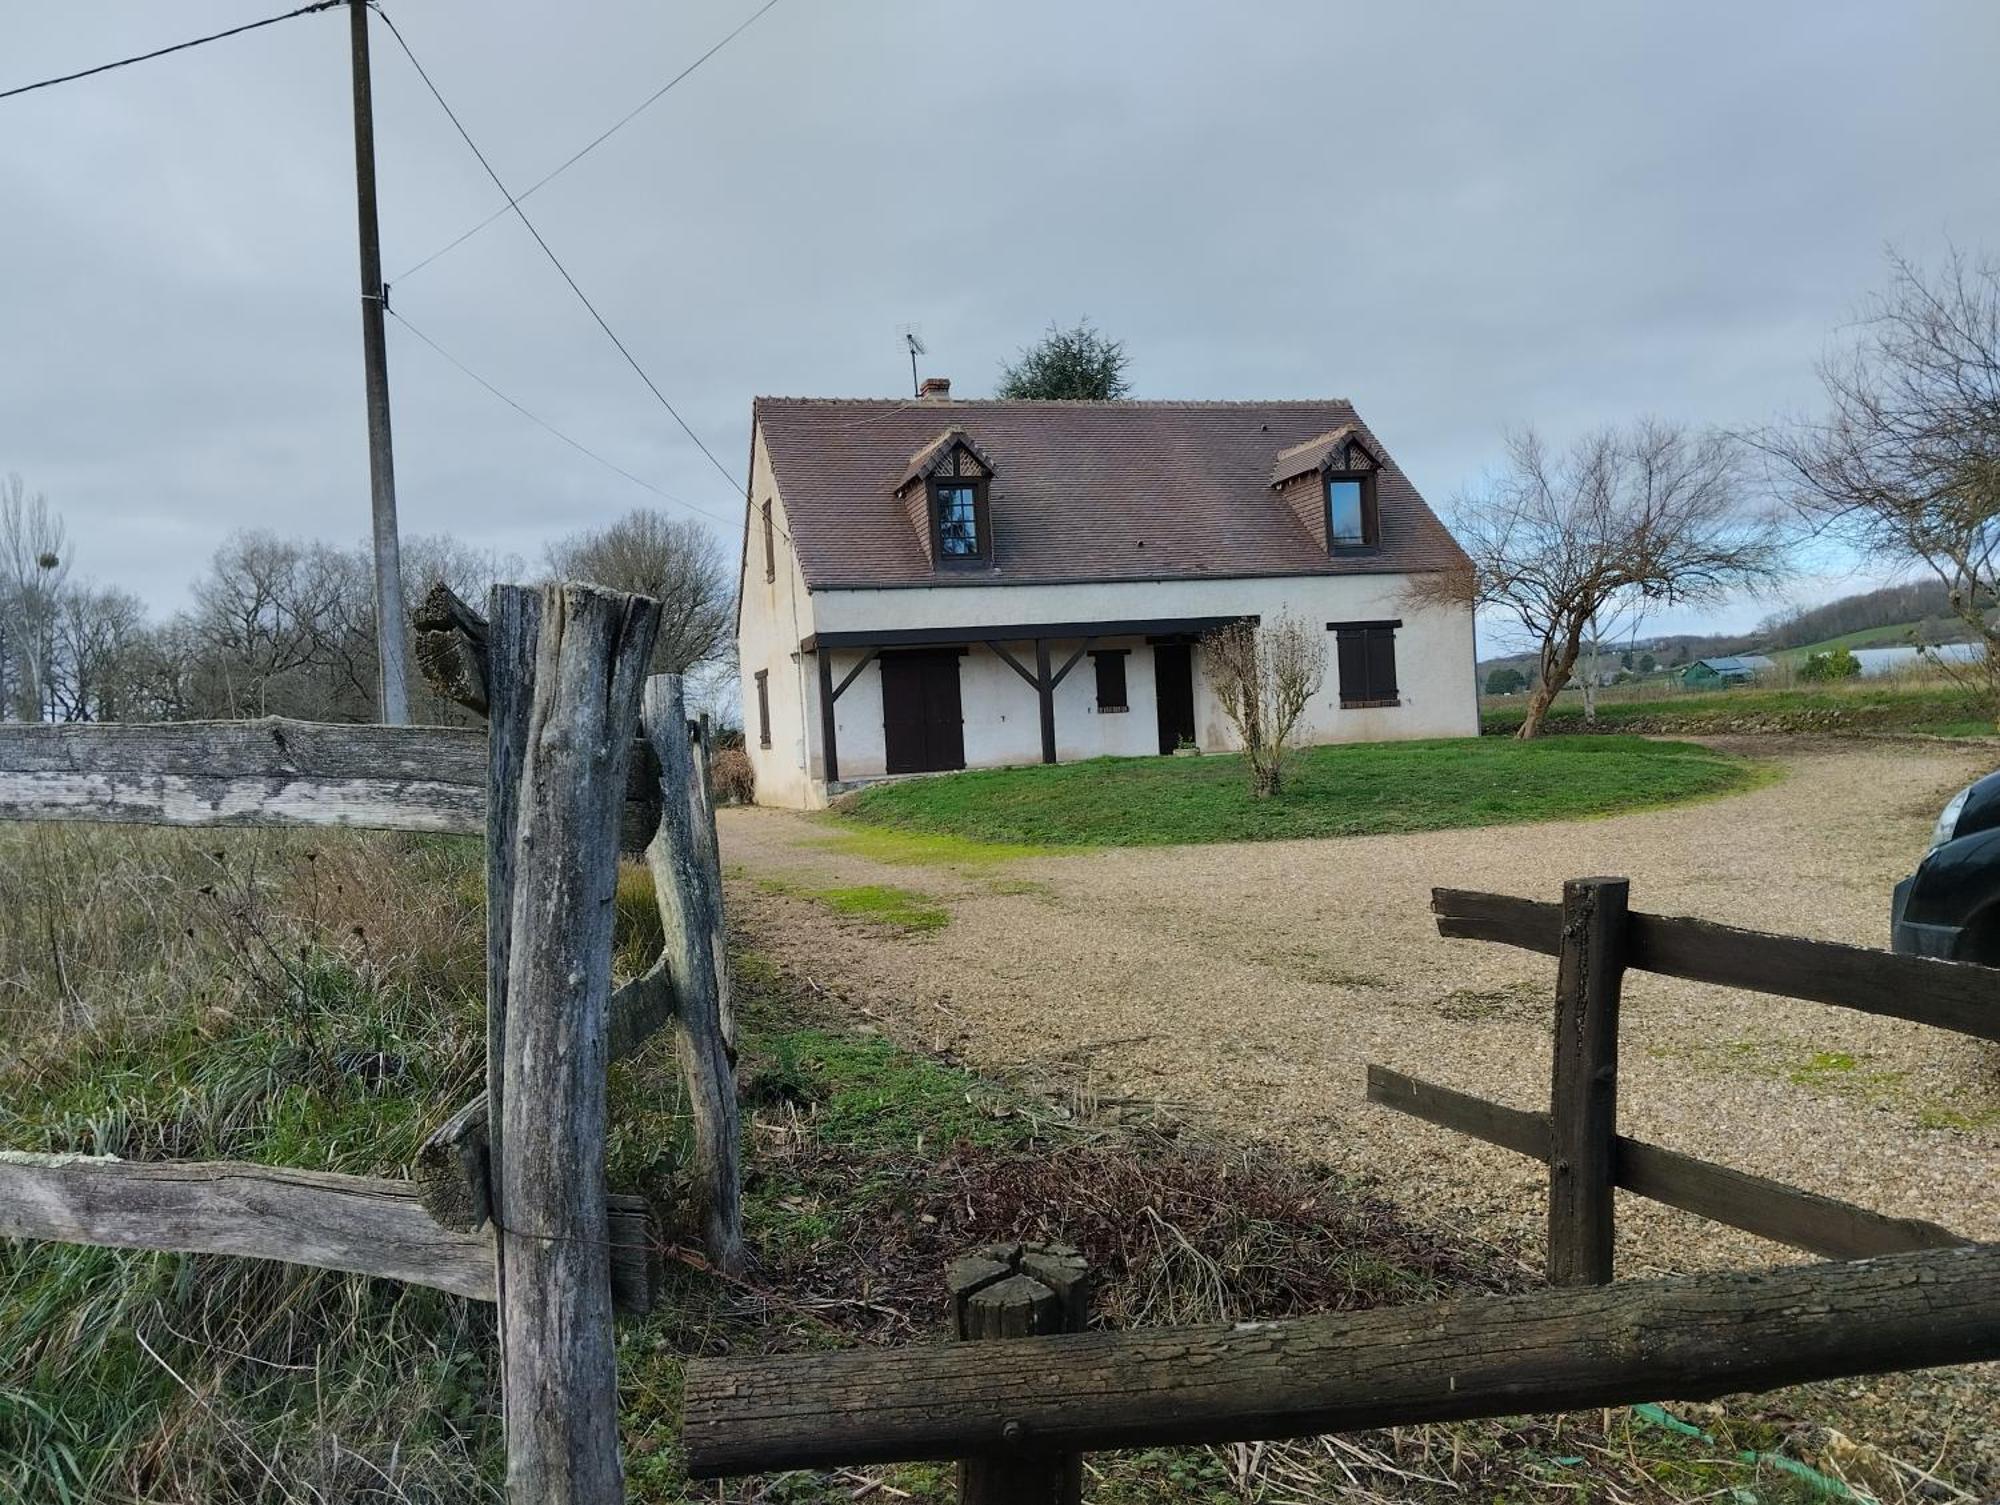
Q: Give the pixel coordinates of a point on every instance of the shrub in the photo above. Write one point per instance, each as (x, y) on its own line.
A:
(1838, 664)
(735, 784)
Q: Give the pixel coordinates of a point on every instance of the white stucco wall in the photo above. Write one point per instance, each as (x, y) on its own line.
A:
(774, 616)
(1434, 666)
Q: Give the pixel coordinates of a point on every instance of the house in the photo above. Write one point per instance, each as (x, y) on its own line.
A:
(1711, 673)
(934, 584)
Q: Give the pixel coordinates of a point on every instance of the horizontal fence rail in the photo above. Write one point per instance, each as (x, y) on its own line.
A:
(1690, 1337)
(1769, 1209)
(1950, 995)
(270, 772)
(363, 1225)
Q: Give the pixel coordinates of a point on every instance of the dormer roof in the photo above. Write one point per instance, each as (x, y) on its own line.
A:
(1337, 449)
(940, 456)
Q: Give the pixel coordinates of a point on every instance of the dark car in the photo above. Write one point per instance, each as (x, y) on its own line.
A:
(1950, 906)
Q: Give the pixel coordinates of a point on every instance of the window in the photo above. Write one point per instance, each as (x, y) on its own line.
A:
(770, 550)
(1110, 679)
(763, 707)
(960, 509)
(1367, 663)
(1350, 511)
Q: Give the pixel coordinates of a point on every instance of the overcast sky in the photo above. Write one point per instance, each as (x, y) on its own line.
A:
(1463, 217)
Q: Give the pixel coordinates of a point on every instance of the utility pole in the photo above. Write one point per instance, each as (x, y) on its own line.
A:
(394, 697)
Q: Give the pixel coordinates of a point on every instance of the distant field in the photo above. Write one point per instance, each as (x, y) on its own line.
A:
(1896, 635)
(1933, 707)
(1349, 790)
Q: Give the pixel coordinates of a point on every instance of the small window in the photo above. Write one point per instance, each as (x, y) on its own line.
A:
(770, 550)
(764, 707)
(1367, 662)
(1350, 511)
(1110, 680)
(961, 520)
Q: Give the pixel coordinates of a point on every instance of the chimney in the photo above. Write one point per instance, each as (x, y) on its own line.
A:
(935, 389)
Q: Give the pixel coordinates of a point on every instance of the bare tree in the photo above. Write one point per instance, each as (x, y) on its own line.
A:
(1905, 464)
(1645, 516)
(675, 560)
(34, 565)
(1265, 676)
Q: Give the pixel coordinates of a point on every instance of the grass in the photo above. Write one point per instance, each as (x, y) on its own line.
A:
(1928, 707)
(879, 904)
(316, 1003)
(1349, 790)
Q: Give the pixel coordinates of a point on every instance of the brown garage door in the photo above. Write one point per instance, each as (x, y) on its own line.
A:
(923, 729)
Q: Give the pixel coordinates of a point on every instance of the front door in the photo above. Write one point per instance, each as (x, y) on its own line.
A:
(1173, 678)
(923, 729)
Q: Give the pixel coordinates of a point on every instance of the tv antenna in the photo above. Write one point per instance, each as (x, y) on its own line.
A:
(913, 338)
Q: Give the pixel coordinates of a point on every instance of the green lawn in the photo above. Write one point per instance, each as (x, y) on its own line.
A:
(1934, 708)
(1350, 790)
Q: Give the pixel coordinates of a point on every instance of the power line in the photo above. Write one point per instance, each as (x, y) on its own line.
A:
(126, 62)
(556, 261)
(543, 423)
(592, 145)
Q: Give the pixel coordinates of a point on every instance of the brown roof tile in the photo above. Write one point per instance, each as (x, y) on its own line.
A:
(1082, 491)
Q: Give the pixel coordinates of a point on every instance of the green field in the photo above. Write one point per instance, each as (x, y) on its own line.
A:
(1936, 708)
(1350, 790)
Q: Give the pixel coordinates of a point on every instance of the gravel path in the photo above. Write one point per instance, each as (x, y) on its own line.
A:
(1249, 985)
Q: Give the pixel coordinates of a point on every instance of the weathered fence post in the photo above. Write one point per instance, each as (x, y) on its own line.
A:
(1583, 1109)
(1020, 1291)
(566, 666)
(687, 883)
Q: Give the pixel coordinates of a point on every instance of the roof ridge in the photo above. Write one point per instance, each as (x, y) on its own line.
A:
(925, 404)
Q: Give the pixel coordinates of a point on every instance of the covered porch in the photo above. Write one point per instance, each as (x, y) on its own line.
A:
(952, 697)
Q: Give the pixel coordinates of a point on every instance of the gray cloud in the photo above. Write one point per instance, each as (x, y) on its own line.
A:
(1463, 217)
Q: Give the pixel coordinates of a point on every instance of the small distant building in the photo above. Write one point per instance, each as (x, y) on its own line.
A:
(1711, 673)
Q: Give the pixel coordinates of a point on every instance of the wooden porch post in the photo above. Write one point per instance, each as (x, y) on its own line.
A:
(828, 739)
(1045, 689)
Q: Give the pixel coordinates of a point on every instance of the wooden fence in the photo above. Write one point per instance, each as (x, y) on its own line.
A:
(583, 756)
(1907, 1295)
(1597, 939)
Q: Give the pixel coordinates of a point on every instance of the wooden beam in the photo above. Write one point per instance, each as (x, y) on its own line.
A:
(1769, 1209)
(269, 772)
(1016, 632)
(829, 736)
(852, 674)
(1015, 664)
(688, 886)
(1071, 662)
(451, 647)
(359, 1224)
(1583, 1109)
(559, 1376)
(1045, 692)
(1958, 996)
(1553, 1350)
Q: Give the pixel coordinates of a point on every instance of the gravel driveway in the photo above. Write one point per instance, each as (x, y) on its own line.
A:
(1249, 986)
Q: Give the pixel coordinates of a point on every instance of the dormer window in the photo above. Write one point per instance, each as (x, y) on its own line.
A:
(944, 492)
(1349, 511)
(960, 509)
(1352, 520)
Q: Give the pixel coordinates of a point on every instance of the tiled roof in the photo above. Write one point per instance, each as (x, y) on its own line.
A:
(1081, 491)
(1301, 458)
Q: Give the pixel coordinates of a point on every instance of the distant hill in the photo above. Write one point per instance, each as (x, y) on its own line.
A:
(1915, 612)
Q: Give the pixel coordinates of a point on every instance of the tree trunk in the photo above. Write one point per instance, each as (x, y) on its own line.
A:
(1558, 660)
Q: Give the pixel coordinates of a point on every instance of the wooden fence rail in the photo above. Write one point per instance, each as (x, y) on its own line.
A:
(1691, 1337)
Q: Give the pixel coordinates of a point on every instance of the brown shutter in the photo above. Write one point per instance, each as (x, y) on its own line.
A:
(1110, 680)
(764, 704)
(770, 551)
(1381, 663)
(1352, 646)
